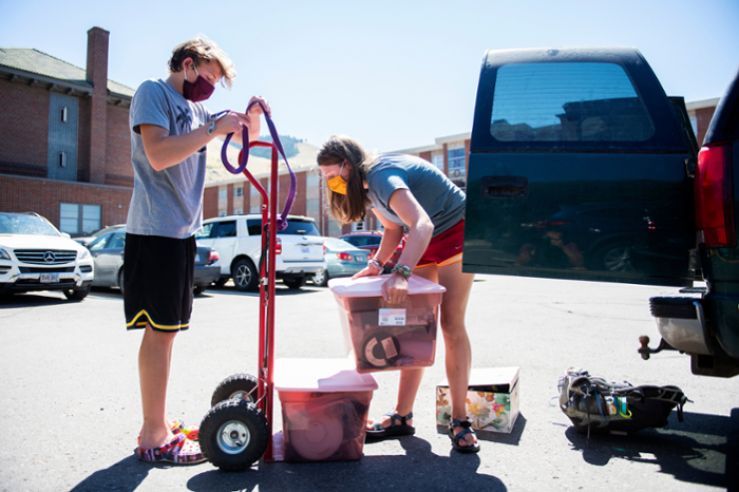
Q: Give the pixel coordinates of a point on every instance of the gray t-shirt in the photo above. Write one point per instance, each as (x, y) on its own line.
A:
(442, 200)
(169, 202)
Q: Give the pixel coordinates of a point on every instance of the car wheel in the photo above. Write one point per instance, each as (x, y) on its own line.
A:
(294, 282)
(77, 294)
(320, 278)
(244, 274)
(198, 289)
(120, 280)
(616, 258)
(220, 282)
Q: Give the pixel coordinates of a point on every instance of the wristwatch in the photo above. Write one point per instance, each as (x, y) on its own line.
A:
(212, 125)
(402, 270)
(375, 263)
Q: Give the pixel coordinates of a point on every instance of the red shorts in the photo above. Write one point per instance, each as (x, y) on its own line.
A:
(444, 249)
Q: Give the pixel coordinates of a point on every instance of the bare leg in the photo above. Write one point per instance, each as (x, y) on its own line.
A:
(410, 379)
(458, 351)
(154, 362)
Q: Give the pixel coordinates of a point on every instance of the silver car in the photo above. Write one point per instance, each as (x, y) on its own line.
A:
(342, 260)
(107, 252)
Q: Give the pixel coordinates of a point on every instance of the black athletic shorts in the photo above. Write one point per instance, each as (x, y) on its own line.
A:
(157, 282)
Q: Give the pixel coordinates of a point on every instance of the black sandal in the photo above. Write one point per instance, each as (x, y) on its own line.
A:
(466, 426)
(379, 433)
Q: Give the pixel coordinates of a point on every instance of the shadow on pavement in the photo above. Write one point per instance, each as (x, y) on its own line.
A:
(126, 475)
(511, 438)
(704, 449)
(418, 469)
(30, 300)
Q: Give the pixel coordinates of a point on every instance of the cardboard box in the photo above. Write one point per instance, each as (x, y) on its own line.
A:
(492, 400)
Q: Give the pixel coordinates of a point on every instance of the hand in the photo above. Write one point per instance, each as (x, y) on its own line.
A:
(395, 289)
(255, 108)
(231, 122)
(368, 271)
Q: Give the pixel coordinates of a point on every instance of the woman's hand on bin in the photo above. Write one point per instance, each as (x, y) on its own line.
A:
(395, 289)
(370, 270)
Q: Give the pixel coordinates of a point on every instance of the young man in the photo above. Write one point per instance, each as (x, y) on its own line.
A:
(170, 128)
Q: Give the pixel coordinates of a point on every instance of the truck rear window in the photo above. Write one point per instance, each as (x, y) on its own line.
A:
(567, 102)
(294, 226)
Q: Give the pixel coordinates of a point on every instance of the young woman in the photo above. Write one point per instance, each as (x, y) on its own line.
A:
(409, 194)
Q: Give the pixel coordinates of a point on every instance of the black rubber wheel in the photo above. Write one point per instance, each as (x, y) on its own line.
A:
(244, 275)
(77, 294)
(120, 280)
(237, 386)
(614, 258)
(294, 282)
(198, 289)
(220, 282)
(233, 435)
(320, 278)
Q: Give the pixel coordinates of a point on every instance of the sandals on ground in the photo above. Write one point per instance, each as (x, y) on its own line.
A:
(466, 426)
(378, 433)
(179, 451)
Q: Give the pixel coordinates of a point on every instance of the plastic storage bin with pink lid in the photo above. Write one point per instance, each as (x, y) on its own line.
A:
(384, 336)
(324, 408)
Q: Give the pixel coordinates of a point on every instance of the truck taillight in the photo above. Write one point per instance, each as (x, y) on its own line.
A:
(714, 196)
(278, 246)
(213, 256)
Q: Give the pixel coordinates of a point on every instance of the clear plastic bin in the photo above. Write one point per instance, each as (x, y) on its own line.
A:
(324, 408)
(384, 336)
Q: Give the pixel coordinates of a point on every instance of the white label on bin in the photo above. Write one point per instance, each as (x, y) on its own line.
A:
(392, 317)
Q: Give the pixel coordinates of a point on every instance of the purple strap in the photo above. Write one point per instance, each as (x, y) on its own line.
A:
(244, 158)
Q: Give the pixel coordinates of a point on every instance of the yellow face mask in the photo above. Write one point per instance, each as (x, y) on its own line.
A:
(337, 184)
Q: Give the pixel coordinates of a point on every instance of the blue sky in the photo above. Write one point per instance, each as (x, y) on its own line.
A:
(393, 74)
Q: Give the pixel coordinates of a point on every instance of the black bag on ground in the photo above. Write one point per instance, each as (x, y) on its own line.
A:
(594, 404)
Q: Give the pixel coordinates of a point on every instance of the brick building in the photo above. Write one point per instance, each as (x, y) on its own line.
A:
(65, 148)
(64, 141)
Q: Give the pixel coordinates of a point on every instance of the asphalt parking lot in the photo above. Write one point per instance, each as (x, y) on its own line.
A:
(70, 403)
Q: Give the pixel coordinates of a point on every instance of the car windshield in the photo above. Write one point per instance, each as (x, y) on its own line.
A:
(25, 224)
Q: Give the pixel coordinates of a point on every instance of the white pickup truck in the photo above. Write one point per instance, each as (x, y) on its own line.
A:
(237, 238)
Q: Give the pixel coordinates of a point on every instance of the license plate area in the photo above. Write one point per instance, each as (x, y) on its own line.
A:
(49, 278)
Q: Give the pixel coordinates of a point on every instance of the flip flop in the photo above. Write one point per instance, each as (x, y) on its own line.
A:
(378, 433)
(179, 451)
(466, 426)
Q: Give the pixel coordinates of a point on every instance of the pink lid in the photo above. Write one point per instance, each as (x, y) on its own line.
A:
(327, 375)
(372, 286)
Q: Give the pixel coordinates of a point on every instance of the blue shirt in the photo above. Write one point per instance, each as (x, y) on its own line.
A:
(442, 200)
(169, 202)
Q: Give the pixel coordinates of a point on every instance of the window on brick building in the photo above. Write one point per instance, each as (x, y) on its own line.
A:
(456, 162)
(222, 200)
(255, 200)
(437, 159)
(313, 195)
(77, 219)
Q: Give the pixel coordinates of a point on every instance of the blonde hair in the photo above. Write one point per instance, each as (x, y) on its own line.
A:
(351, 207)
(202, 49)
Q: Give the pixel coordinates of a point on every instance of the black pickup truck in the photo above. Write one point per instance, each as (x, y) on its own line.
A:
(582, 168)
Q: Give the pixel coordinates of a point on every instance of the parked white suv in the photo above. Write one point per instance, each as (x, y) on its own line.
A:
(34, 255)
(237, 238)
